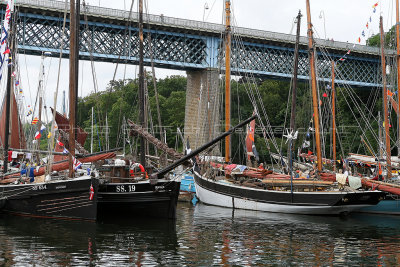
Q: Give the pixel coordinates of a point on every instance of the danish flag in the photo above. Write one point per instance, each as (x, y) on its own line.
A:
(91, 192)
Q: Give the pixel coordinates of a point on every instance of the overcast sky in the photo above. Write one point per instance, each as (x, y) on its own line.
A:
(341, 20)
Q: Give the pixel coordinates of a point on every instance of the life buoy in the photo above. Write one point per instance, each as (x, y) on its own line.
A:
(142, 170)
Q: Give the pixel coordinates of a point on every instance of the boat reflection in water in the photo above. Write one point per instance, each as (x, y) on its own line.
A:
(250, 238)
(204, 236)
(28, 241)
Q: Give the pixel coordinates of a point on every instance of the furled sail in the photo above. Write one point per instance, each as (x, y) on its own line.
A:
(17, 136)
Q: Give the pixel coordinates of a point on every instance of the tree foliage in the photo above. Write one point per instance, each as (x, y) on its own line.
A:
(120, 100)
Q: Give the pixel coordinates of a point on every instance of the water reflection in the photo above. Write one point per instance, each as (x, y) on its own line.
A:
(249, 238)
(203, 236)
(25, 241)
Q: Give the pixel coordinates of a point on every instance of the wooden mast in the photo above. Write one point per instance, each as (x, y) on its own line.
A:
(314, 87)
(72, 85)
(333, 117)
(398, 74)
(141, 86)
(385, 109)
(227, 78)
(8, 96)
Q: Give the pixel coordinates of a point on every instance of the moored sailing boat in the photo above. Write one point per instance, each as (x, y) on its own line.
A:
(125, 194)
(54, 197)
(255, 190)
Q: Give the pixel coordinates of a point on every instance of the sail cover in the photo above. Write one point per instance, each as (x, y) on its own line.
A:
(17, 137)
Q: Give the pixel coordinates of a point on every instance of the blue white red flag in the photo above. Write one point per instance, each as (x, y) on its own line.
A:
(77, 163)
(4, 34)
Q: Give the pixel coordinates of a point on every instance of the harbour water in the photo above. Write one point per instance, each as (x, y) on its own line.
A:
(204, 236)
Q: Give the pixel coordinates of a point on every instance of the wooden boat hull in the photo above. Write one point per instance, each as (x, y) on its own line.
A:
(388, 206)
(61, 199)
(138, 199)
(318, 202)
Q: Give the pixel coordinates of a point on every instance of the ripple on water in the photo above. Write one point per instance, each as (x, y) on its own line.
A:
(204, 236)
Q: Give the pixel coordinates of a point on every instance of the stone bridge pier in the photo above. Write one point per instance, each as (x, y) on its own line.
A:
(203, 104)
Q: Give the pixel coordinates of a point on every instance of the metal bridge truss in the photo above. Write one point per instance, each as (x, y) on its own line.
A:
(108, 42)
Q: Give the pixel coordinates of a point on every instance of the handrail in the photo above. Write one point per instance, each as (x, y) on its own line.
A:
(198, 25)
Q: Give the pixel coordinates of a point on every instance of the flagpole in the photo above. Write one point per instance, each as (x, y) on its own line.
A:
(8, 89)
(385, 99)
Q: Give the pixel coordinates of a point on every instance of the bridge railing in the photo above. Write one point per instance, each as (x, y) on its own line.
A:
(197, 25)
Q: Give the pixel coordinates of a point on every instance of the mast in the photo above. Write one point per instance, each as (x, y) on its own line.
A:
(141, 86)
(40, 90)
(293, 109)
(333, 117)
(63, 105)
(295, 70)
(294, 88)
(398, 74)
(385, 109)
(91, 138)
(8, 96)
(107, 140)
(227, 78)
(72, 85)
(314, 87)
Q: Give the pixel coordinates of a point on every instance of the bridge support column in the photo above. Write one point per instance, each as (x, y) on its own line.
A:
(202, 114)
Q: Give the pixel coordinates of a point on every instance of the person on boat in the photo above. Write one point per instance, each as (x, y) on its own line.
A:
(261, 166)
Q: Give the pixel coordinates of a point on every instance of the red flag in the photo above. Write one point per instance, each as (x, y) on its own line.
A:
(389, 93)
(325, 95)
(359, 39)
(367, 25)
(59, 143)
(38, 135)
(309, 153)
(91, 192)
(376, 4)
(7, 51)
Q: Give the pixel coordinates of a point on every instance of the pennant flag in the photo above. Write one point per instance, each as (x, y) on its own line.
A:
(59, 143)
(348, 52)
(65, 151)
(389, 93)
(370, 19)
(35, 120)
(49, 135)
(320, 102)
(359, 39)
(20, 91)
(309, 153)
(13, 74)
(341, 59)
(366, 25)
(374, 10)
(91, 192)
(363, 33)
(325, 95)
(376, 4)
(4, 34)
(42, 128)
(29, 112)
(38, 135)
(16, 83)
